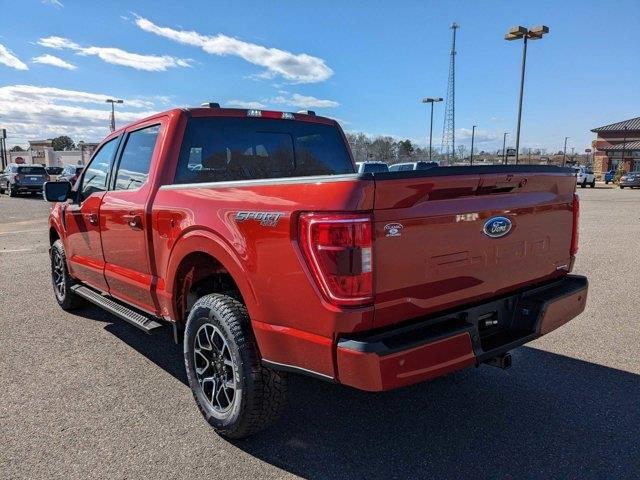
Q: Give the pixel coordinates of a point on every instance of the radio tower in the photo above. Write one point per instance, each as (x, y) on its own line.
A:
(449, 128)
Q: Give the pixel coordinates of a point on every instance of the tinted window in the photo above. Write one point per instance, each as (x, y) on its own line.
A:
(222, 149)
(95, 177)
(133, 169)
(375, 167)
(32, 170)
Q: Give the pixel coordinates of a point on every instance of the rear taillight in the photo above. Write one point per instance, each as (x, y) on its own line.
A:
(337, 248)
(47, 178)
(18, 176)
(576, 217)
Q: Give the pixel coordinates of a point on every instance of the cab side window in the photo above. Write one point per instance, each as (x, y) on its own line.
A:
(95, 175)
(133, 169)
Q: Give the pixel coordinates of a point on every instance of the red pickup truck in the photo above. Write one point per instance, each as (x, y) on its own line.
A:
(251, 234)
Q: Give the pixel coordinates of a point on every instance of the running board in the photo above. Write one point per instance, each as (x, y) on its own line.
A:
(144, 323)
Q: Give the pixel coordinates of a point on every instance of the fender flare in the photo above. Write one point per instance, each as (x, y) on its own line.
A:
(208, 242)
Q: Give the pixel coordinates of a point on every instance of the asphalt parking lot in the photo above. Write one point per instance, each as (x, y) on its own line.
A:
(86, 395)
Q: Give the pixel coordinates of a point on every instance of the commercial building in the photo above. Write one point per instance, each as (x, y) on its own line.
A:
(42, 152)
(616, 143)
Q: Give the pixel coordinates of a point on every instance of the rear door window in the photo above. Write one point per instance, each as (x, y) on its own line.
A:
(225, 149)
(133, 168)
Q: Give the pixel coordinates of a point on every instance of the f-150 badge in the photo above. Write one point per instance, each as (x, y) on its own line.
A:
(266, 219)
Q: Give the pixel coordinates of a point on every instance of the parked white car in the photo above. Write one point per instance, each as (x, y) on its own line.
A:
(585, 176)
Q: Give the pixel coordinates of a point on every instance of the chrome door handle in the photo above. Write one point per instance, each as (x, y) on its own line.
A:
(92, 218)
(134, 221)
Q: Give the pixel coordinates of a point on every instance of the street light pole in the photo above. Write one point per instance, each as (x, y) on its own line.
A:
(112, 123)
(431, 100)
(524, 63)
(517, 33)
(504, 145)
(564, 153)
(473, 134)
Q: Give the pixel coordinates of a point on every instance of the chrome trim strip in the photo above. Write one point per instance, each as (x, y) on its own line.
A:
(292, 368)
(263, 181)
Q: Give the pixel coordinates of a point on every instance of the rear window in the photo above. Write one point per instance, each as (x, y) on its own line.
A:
(224, 149)
(32, 170)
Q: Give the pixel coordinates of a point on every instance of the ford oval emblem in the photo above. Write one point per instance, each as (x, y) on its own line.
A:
(497, 227)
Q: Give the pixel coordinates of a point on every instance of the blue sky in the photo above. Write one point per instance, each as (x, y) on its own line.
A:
(366, 63)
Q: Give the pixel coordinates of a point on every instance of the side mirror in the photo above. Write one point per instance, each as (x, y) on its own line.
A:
(56, 191)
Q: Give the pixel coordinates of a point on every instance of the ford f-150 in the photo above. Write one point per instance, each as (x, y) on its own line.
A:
(252, 235)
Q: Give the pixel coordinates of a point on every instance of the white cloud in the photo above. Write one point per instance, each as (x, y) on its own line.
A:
(245, 104)
(42, 112)
(301, 68)
(303, 101)
(54, 61)
(117, 56)
(481, 136)
(10, 60)
(54, 3)
(46, 94)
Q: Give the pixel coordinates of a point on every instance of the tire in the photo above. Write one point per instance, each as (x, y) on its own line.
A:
(583, 184)
(61, 280)
(621, 187)
(12, 192)
(593, 184)
(255, 396)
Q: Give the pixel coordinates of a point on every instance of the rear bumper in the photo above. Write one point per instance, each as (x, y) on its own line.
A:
(433, 347)
(27, 188)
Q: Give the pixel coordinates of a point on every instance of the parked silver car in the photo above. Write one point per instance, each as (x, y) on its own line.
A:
(630, 179)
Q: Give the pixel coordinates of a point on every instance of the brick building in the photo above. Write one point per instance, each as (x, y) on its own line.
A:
(615, 143)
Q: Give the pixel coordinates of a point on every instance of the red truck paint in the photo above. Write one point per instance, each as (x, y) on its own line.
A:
(428, 255)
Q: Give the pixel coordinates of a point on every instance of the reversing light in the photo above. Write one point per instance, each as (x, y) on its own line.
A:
(254, 113)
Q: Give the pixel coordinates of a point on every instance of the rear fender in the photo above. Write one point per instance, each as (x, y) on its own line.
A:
(211, 244)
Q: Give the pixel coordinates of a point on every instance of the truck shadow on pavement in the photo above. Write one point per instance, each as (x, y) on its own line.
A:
(549, 416)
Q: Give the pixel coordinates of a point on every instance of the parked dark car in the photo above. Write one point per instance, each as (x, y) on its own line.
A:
(630, 179)
(609, 176)
(53, 170)
(23, 179)
(70, 173)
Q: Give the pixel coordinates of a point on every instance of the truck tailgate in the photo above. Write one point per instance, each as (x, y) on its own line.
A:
(431, 252)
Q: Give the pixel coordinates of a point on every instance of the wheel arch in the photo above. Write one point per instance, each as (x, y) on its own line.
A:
(200, 263)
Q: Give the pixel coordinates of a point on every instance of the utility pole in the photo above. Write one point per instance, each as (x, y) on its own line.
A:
(449, 128)
(473, 134)
(564, 153)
